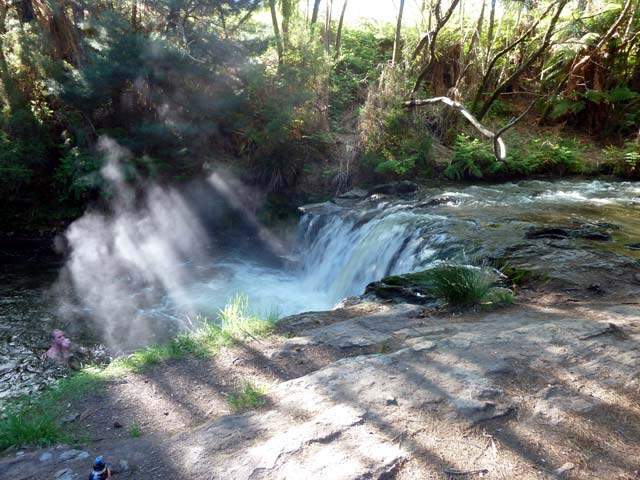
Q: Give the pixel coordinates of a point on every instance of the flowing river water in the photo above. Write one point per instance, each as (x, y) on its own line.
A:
(157, 282)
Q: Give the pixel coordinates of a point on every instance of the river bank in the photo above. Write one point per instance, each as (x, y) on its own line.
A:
(391, 389)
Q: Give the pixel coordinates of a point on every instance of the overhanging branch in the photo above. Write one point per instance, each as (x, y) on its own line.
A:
(499, 147)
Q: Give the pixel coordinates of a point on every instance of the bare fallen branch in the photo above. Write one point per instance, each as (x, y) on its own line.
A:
(499, 148)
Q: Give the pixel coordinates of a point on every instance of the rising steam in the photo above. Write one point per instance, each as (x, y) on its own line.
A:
(122, 263)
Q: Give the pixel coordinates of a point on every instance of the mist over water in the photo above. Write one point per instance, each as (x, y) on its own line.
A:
(161, 258)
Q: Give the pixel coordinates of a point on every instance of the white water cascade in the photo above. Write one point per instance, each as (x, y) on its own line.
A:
(340, 248)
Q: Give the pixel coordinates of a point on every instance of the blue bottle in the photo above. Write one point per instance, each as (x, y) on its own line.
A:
(100, 470)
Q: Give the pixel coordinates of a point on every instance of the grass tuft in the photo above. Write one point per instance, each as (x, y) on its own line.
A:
(237, 320)
(248, 398)
(134, 430)
(460, 285)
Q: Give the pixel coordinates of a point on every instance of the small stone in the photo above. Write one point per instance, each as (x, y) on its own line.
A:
(73, 454)
(82, 456)
(391, 401)
(46, 457)
(20, 453)
(564, 468)
(123, 466)
(117, 424)
(72, 417)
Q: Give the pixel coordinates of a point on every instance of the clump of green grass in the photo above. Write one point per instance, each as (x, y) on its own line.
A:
(498, 296)
(249, 397)
(457, 285)
(237, 320)
(134, 430)
(460, 285)
(35, 419)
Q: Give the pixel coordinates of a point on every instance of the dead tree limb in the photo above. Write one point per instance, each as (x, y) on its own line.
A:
(499, 147)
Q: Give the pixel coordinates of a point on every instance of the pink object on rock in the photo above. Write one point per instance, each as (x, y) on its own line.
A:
(60, 350)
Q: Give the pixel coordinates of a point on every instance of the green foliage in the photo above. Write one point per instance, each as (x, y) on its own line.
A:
(237, 320)
(79, 174)
(249, 397)
(35, 419)
(474, 159)
(134, 430)
(360, 63)
(624, 161)
(460, 285)
(29, 425)
(471, 159)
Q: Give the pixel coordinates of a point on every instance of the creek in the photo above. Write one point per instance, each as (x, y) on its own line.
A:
(142, 295)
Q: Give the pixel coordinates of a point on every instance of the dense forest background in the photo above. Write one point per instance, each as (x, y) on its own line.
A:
(298, 103)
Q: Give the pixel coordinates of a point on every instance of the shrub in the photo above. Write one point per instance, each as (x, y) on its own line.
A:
(396, 141)
(475, 159)
(555, 156)
(471, 159)
(625, 161)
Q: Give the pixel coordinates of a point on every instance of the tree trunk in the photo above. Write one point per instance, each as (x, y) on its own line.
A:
(134, 15)
(173, 17)
(397, 47)
(327, 26)
(430, 40)
(24, 8)
(314, 15)
(503, 85)
(339, 32)
(63, 33)
(287, 11)
(492, 17)
(276, 30)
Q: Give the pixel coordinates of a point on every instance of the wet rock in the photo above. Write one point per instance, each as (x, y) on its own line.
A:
(403, 187)
(398, 293)
(439, 200)
(409, 288)
(633, 246)
(354, 194)
(586, 231)
(552, 233)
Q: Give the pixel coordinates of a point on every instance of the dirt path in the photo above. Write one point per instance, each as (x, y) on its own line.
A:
(543, 389)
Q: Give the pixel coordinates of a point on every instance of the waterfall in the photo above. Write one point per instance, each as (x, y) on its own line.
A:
(341, 253)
